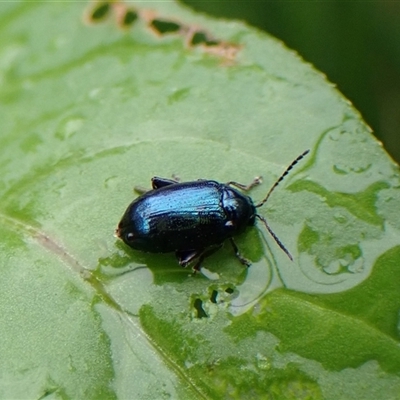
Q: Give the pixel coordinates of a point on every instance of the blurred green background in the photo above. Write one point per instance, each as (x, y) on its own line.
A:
(356, 44)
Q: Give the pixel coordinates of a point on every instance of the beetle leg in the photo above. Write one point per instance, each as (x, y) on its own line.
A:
(141, 189)
(186, 257)
(256, 181)
(203, 255)
(176, 178)
(157, 182)
(243, 260)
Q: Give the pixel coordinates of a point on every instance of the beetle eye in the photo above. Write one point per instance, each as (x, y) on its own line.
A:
(129, 236)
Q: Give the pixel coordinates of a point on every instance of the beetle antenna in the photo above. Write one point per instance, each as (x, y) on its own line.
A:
(280, 179)
(279, 243)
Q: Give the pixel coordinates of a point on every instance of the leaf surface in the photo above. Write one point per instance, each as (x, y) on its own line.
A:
(87, 112)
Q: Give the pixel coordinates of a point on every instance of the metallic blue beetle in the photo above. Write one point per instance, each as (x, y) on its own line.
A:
(193, 219)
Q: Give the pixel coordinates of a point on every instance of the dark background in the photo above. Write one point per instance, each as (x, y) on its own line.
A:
(355, 43)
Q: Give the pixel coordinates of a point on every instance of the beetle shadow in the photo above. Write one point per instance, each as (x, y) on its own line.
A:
(124, 260)
(165, 268)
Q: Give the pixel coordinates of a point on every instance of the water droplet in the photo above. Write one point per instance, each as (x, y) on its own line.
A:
(335, 135)
(343, 262)
(111, 182)
(339, 170)
(209, 274)
(94, 93)
(333, 268)
(357, 266)
(69, 127)
(263, 362)
(339, 217)
(394, 181)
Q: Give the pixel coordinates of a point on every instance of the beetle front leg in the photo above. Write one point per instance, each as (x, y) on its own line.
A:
(256, 181)
(243, 260)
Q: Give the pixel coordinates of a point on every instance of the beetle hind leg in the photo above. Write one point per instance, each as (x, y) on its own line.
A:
(203, 255)
(157, 182)
(243, 260)
(256, 181)
(186, 257)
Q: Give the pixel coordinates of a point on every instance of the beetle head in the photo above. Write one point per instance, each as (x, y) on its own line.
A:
(125, 233)
(129, 231)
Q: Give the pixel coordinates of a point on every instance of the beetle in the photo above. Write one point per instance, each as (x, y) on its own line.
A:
(193, 219)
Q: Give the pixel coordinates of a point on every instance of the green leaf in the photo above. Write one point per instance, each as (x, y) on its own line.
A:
(87, 112)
